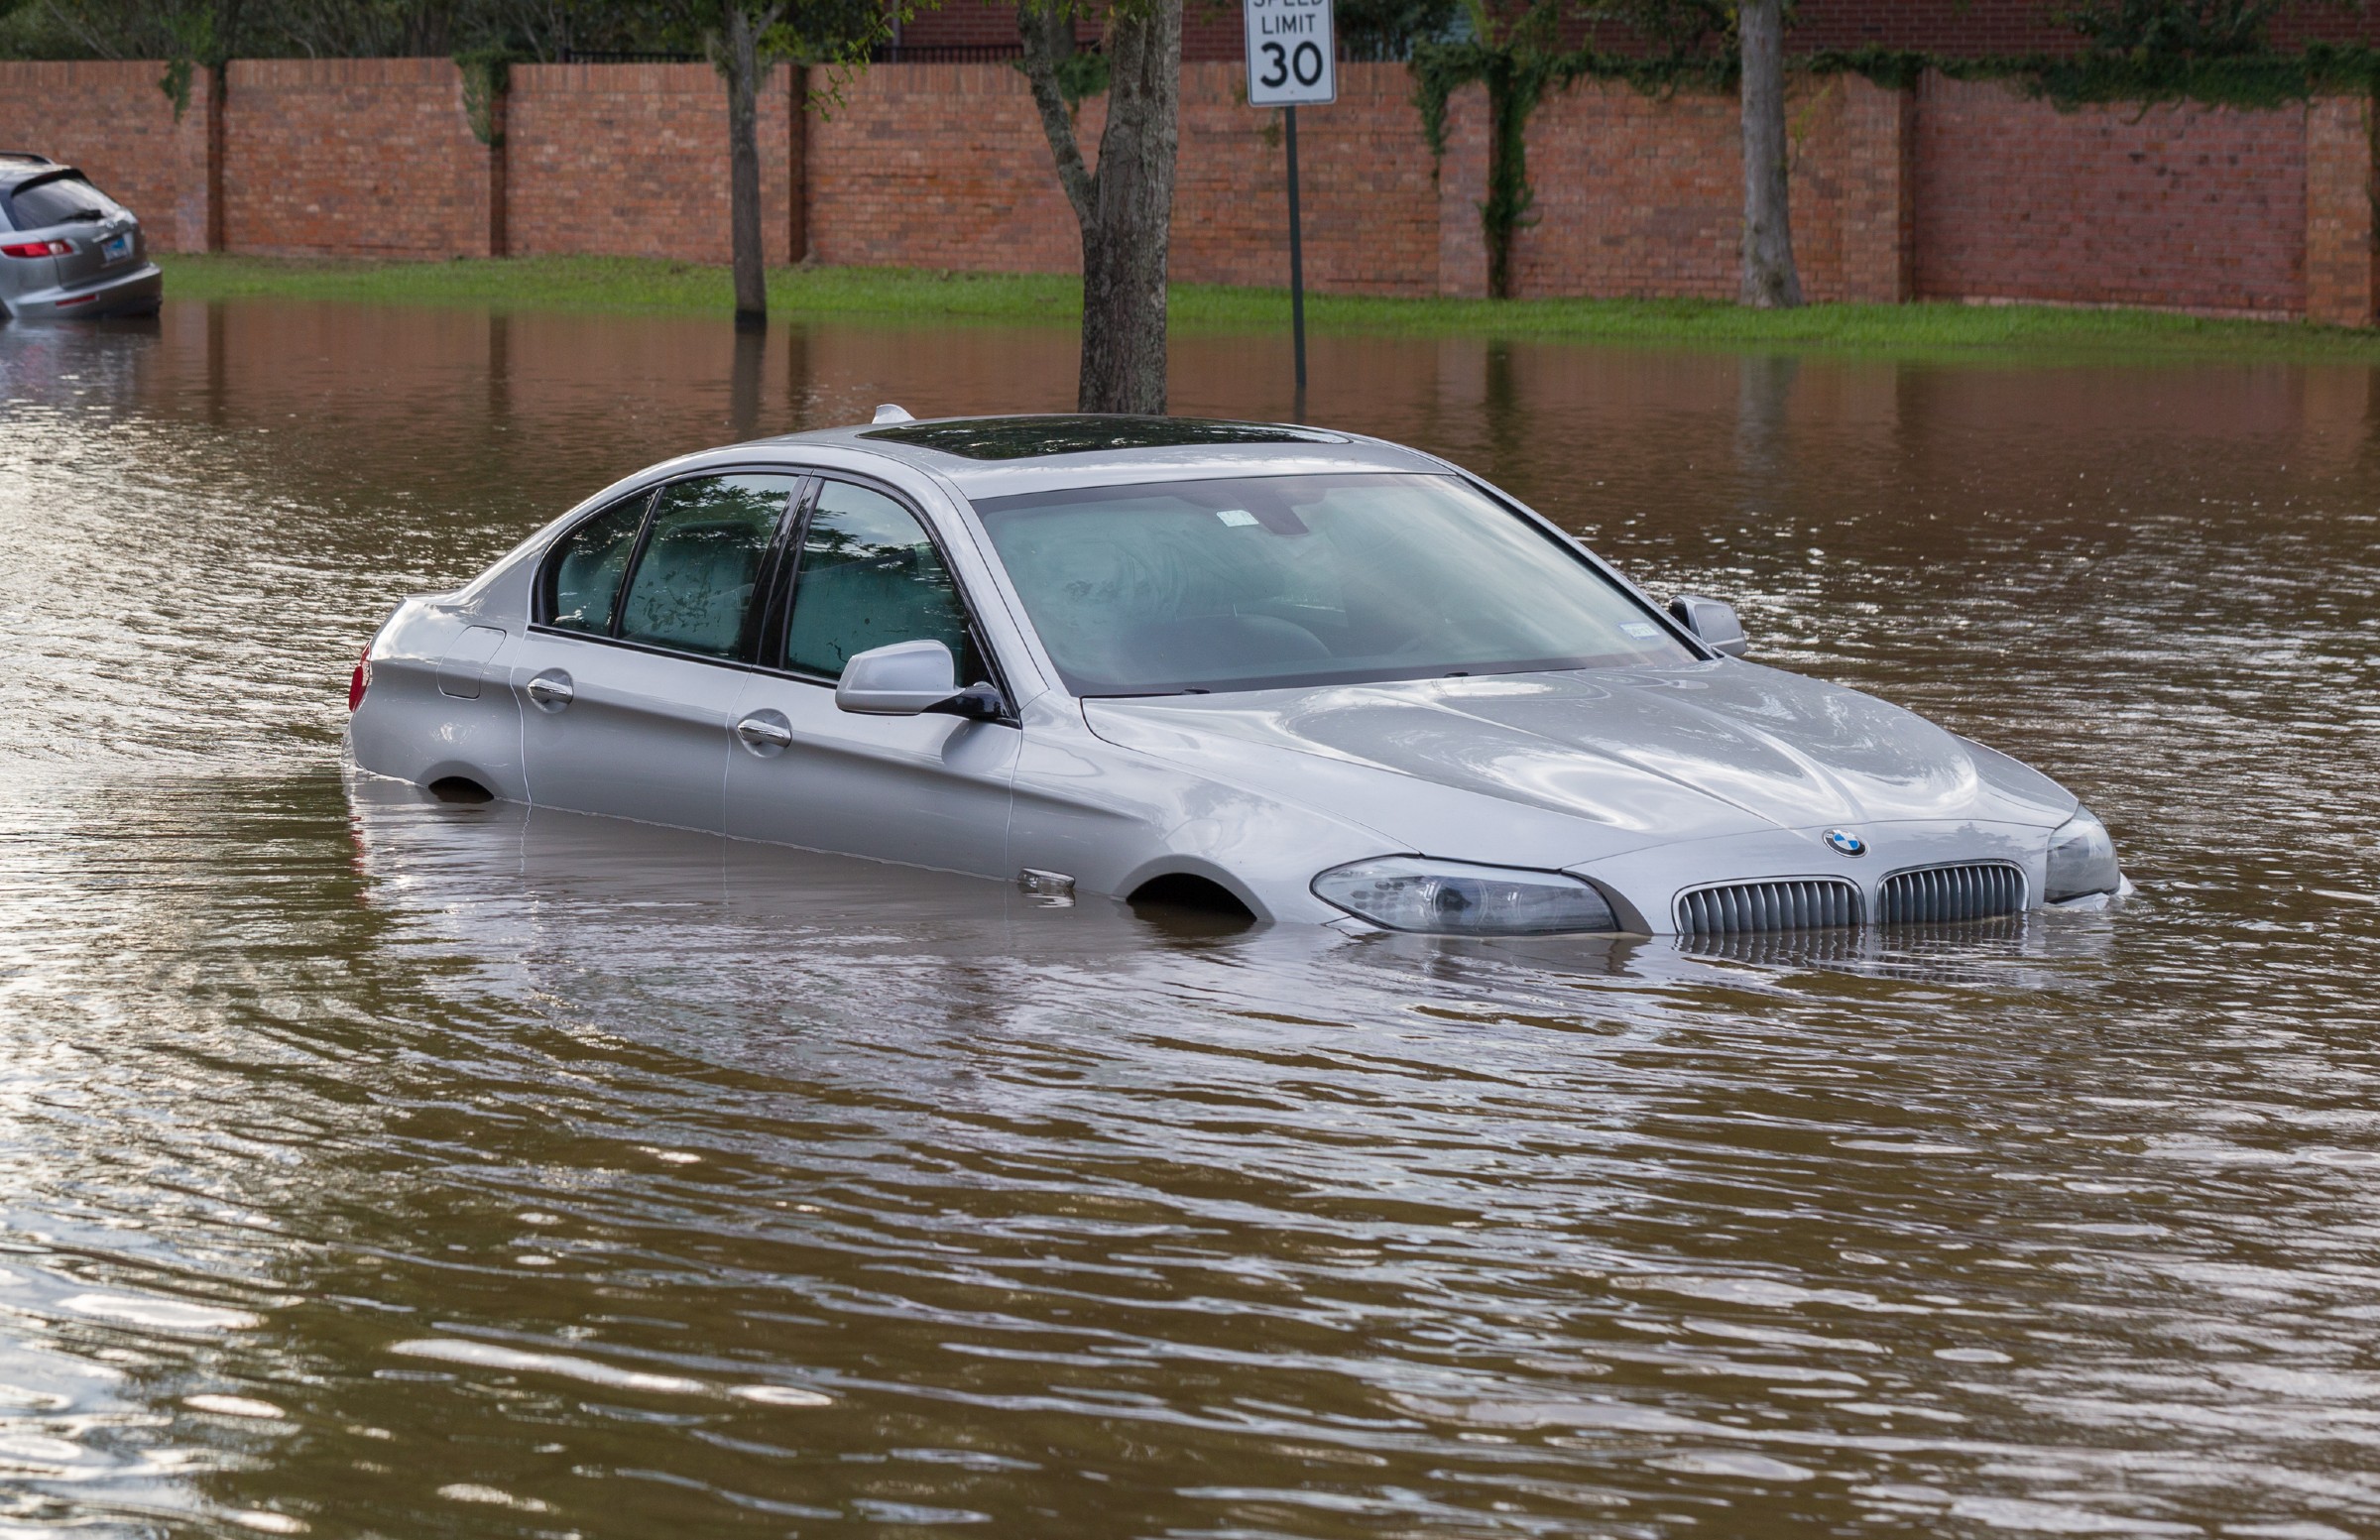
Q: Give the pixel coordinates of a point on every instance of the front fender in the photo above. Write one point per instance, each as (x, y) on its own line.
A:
(1112, 818)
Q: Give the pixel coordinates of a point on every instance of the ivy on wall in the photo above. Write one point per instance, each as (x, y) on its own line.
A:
(486, 75)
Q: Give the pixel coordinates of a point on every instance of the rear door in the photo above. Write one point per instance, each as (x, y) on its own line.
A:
(647, 617)
(927, 791)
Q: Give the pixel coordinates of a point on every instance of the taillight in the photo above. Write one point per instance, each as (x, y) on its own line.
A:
(38, 248)
(360, 680)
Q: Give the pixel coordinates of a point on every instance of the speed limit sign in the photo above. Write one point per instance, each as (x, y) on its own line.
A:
(1290, 54)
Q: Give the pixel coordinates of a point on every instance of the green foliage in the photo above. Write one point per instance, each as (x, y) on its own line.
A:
(1391, 28)
(2253, 80)
(828, 32)
(2173, 27)
(487, 74)
(1675, 31)
(2208, 51)
(1082, 76)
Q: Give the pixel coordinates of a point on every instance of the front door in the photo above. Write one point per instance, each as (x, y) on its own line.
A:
(928, 790)
(627, 685)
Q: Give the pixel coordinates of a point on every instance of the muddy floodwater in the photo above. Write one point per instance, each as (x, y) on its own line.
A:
(377, 1168)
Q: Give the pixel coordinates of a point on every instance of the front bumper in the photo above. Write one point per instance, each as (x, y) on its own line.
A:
(137, 291)
(1645, 885)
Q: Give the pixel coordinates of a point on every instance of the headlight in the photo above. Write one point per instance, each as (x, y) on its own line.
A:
(2082, 860)
(1448, 898)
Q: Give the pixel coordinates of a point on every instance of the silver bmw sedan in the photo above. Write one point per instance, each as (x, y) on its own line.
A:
(1299, 673)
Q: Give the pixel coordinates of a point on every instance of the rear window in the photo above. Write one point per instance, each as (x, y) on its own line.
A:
(61, 200)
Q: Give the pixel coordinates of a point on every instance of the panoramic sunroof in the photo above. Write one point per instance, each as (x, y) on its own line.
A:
(1028, 438)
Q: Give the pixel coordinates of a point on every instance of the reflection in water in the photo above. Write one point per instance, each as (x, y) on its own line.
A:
(373, 1165)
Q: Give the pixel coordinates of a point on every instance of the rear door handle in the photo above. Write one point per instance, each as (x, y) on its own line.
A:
(766, 733)
(550, 691)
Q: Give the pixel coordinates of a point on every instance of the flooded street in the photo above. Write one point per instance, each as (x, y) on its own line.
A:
(377, 1168)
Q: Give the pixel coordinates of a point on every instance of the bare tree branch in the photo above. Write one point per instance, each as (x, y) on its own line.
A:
(1043, 25)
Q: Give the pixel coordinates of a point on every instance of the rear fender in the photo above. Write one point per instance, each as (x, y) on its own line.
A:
(409, 728)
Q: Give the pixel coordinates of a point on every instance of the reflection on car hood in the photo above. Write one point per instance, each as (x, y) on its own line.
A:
(1622, 759)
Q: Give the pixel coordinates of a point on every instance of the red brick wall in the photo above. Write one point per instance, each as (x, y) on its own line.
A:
(1957, 190)
(945, 166)
(1371, 204)
(361, 157)
(2186, 206)
(115, 122)
(1641, 195)
(631, 160)
(941, 166)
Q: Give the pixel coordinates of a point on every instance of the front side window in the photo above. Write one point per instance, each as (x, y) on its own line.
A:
(582, 581)
(1258, 583)
(67, 201)
(869, 577)
(693, 585)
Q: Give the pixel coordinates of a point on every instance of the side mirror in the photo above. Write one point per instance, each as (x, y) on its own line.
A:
(900, 680)
(1712, 621)
(910, 679)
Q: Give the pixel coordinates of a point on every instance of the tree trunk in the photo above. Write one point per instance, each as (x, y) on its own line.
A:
(1769, 280)
(741, 47)
(1126, 207)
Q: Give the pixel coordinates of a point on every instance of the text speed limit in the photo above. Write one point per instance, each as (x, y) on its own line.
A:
(1290, 54)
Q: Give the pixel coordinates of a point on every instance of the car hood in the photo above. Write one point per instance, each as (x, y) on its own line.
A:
(1559, 769)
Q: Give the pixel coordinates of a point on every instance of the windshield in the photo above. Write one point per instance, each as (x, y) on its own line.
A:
(1284, 580)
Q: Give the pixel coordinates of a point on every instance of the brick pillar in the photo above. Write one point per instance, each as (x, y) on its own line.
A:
(2339, 268)
(500, 101)
(1879, 185)
(798, 164)
(1462, 189)
(218, 138)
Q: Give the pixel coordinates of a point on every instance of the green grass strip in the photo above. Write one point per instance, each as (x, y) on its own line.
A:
(909, 297)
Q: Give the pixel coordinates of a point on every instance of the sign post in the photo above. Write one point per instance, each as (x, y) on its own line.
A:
(1292, 61)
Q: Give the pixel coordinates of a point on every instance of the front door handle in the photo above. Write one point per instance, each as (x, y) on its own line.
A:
(766, 733)
(550, 691)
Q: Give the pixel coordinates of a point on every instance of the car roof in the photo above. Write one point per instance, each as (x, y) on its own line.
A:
(1010, 455)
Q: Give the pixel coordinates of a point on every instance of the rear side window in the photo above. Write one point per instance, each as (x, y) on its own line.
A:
(582, 581)
(693, 586)
(869, 577)
(67, 201)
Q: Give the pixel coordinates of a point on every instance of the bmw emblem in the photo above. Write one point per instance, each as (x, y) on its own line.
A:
(1844, 843)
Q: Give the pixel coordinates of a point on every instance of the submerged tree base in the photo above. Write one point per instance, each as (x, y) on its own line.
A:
(909, 297)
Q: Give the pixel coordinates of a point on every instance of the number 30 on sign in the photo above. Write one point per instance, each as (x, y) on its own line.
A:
(1289, 53)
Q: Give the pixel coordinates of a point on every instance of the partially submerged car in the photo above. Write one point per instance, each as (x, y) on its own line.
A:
(66, 249)
(1313, 675)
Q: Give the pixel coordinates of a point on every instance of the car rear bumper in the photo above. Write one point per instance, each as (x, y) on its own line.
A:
(133, 292)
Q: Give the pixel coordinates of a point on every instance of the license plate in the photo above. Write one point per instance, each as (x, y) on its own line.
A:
(116, 248)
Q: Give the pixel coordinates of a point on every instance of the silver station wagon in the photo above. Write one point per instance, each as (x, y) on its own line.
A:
(69, 250)
(1305, 674)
